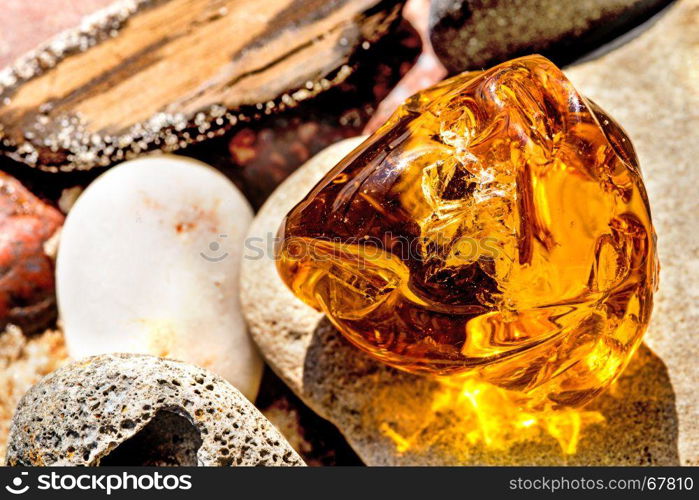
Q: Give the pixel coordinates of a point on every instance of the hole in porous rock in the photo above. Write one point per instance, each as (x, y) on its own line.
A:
(168, 439)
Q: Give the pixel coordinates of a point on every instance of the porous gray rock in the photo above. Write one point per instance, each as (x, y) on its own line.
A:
(472, 34)
(132, 409)
(649, 417)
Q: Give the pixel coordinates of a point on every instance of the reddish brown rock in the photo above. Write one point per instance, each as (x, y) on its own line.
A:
(27, 296)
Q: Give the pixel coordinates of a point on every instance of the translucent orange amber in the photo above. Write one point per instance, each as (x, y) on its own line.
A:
(497, 224)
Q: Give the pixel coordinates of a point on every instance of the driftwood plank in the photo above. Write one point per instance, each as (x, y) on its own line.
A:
(145, 74)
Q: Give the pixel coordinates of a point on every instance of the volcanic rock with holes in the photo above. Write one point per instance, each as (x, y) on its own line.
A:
(129, 409)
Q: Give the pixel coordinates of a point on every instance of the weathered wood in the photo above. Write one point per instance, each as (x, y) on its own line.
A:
(146, 74)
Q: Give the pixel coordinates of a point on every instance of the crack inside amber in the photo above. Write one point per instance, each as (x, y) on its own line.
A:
(496, 225)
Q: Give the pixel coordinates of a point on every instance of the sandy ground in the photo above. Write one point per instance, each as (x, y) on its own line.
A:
(23, 362)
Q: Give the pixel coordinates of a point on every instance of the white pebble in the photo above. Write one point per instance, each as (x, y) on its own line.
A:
(148, 263)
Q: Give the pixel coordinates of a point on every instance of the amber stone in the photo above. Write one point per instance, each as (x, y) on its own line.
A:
(496, 225)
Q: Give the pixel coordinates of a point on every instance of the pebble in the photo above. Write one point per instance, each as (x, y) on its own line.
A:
(148, 263)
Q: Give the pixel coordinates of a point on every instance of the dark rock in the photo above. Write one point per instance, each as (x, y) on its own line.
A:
(473, 34)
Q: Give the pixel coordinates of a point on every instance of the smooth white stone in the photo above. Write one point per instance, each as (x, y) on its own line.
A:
(149, 262)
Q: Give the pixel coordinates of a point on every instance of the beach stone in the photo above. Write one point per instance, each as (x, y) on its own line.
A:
(149, 262)
(130, 409)
(473, 34)
(27, 289)
(648, 416)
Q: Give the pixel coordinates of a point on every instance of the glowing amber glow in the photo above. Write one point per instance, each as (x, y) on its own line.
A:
(495, 418)
(497, 225)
